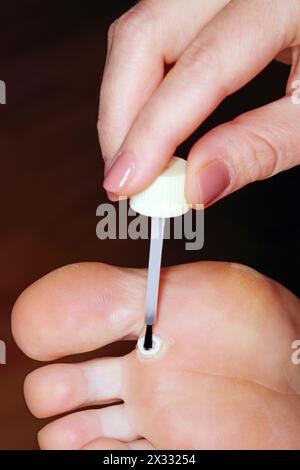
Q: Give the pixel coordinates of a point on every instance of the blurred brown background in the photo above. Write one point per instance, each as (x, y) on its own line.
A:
(51, 58)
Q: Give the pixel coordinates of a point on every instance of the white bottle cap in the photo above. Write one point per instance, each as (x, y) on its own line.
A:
(165, 197)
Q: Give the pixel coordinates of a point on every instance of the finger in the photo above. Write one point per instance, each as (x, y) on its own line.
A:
(73, 386)
(110, 444)
(79, 308)
(78, 429)
(132, 71)
(217, 63)
(140, 43)
(254, 146)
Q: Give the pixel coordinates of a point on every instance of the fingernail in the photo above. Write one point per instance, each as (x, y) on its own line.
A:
(120, 172)
(115, 197)
(213, 179)
(112, 196)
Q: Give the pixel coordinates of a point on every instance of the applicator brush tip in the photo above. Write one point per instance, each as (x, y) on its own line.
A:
(148, 338)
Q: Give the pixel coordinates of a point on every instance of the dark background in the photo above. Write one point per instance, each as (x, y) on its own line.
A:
(51, 58)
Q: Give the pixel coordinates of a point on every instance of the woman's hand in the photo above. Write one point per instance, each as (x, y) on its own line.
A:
(215, 47)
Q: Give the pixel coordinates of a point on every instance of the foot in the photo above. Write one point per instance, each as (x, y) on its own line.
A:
(222, 379)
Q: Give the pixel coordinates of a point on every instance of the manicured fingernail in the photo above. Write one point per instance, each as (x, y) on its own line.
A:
(120, 172)
(115, 197)
(213, 179)
(112, 196)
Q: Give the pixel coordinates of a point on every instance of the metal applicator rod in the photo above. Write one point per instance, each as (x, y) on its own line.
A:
(156, 245)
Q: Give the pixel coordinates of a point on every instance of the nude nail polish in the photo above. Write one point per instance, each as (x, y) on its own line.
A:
(213, 179)
(120, 172)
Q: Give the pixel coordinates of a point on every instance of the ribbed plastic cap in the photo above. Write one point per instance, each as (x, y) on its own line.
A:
(165, 196)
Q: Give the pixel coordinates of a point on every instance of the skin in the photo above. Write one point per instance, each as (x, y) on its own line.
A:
(223, 378)
(169, 65)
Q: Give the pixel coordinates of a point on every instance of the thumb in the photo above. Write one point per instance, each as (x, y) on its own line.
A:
(254, 146)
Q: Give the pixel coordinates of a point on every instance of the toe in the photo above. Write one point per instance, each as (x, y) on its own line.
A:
(111, 444)
(74, 431)
(78, 308)
(106, 444)
(58, 388)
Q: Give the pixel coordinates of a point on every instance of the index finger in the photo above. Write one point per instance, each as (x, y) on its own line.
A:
(141, 42)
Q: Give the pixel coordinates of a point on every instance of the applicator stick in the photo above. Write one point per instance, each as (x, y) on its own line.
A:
(156, 244)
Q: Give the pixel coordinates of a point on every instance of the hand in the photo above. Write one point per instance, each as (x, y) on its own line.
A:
(224, 378)
(215, 47)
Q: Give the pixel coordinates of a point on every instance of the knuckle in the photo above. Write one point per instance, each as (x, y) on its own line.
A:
(262, 154)
(200, 56)
(201, 59)
(134, 23)
(110, 33)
